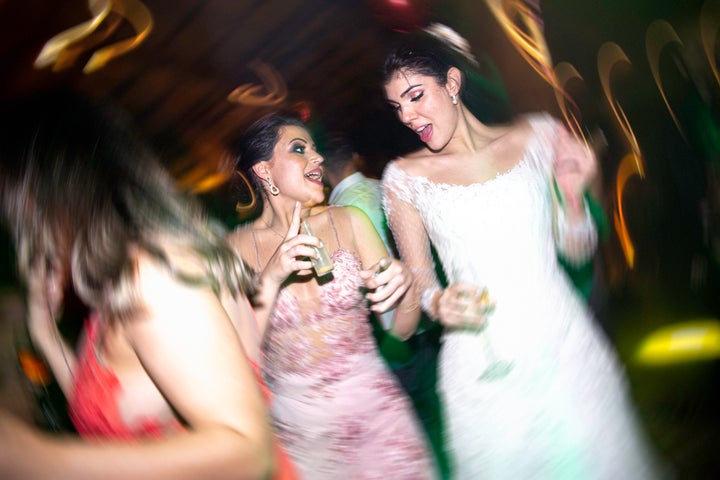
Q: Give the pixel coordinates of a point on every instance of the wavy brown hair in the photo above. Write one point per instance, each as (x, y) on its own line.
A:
(78, 186)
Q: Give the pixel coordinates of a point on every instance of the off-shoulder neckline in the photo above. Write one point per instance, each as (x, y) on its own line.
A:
(532, 119)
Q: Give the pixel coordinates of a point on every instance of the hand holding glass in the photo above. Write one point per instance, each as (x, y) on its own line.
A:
(322, 264)
(497, 368)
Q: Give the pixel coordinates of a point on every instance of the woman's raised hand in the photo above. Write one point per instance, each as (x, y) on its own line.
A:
(293, 254)
(46, 283)
(387, 280)
(574, 167)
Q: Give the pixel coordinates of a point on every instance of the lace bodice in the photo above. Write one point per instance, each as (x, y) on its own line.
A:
(496, 234)
(495, 224)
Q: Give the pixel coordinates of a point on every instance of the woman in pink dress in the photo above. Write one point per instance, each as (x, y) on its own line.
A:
(336, 406)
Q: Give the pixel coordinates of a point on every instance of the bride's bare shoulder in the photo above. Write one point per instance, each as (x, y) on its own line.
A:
(417, 162)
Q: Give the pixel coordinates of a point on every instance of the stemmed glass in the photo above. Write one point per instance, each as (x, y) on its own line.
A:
(497, 367)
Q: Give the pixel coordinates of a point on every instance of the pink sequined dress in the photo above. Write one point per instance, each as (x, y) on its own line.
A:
(337, 408)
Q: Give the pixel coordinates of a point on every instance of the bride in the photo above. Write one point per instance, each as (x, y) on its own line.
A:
(531, 387)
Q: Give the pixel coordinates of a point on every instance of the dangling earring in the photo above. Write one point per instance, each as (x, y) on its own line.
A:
(273, 188)
(454, 99)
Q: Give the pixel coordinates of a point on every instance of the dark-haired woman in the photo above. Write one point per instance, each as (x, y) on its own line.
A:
(336, 406)
(531, 387)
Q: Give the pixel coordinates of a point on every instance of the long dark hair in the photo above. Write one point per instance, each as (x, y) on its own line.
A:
(422, 54)
(425, 54)
(256, 145)
(78, 186)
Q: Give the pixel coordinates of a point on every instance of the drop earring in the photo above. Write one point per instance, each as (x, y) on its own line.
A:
(273, 188)
(453, 98)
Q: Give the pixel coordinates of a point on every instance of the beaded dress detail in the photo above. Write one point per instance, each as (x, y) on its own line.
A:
(336, 407)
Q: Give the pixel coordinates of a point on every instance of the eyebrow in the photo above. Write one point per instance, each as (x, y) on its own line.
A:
(405, 92)
(299, 139)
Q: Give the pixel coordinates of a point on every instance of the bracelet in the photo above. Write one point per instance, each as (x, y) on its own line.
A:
(426, 299)
(411, 308)
(576, 243)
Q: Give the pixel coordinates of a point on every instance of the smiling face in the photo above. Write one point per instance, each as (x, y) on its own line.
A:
(424, 105)
(295, 166)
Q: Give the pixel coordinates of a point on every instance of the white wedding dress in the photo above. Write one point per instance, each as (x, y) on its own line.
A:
(562, 410)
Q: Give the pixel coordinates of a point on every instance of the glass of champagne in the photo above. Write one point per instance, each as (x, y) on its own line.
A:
(322, 264)
(497, 367)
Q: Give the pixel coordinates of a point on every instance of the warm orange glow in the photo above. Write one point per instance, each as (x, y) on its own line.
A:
(609, 56)
(524, 31)
(629, 166)
(34, 368)
(209, 182)
(273, 90)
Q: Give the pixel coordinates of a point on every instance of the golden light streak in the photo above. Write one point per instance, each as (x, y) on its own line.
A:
(275, 89)
(249, 207)
(196, 176)
(530, 42)
(209, 182)
(628, 168)
(610, 55)
(659, 34)
(142, 21)
(709, 23)
(134, 11)
(564, 72)
(72, 52)
(691, 341)
(52, 48)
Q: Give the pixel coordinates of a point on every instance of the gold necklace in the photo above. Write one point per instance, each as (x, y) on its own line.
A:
(272, 229)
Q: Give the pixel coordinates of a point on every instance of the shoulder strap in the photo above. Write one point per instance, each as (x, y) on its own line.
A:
(332, 223)
(257, 253)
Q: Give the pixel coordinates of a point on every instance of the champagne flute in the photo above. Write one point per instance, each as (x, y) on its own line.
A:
(497, 367)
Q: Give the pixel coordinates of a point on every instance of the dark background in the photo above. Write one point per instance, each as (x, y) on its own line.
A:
(176, 82)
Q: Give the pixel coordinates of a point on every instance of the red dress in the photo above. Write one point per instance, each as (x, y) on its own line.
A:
(94, 409)
(93, 404)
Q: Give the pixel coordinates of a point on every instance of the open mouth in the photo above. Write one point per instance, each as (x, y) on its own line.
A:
(315, 175)
(425, 132)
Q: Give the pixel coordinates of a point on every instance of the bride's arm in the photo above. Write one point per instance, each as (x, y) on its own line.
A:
(412, 242)
(456, 305)
(574, 166)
